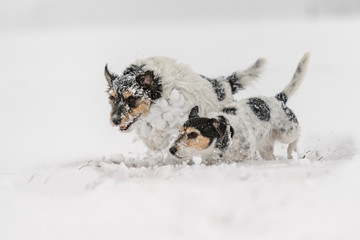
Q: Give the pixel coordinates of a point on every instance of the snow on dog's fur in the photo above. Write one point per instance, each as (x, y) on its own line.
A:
(155, 95)
(244, 128)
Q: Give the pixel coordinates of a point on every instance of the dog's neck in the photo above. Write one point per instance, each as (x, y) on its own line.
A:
(226, 133)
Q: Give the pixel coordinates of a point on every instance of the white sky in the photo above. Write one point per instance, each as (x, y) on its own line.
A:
(68, 12)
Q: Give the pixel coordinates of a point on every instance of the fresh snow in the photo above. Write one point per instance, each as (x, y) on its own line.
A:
(65, 173)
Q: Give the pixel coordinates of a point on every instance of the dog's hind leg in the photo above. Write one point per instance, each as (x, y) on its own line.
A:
(288, 134)
(267, 152)
(292, 148)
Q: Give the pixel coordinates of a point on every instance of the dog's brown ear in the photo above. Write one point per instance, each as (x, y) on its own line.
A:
(220, 126)
(216, 125)
(109, 77)
(146, 79)
(194, 113)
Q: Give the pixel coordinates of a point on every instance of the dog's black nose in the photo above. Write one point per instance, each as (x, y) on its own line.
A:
(116, 120)
(173, 150)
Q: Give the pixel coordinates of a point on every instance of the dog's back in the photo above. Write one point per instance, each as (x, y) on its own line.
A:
(258, 122)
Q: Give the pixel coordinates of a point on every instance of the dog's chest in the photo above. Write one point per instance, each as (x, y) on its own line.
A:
(160, 126)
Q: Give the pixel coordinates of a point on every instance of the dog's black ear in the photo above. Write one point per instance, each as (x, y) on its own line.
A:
(109, 77)
(194, 113)
(146, 79)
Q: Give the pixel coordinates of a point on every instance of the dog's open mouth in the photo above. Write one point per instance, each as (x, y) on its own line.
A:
(125, 126)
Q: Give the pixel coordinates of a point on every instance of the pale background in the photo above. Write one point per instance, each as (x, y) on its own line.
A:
(54, 119)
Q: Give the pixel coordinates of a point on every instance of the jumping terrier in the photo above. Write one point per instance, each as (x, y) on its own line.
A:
(244, 128)
(155, 95)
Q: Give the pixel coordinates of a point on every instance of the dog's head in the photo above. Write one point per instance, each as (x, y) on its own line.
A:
(200, 136)
(131, 94)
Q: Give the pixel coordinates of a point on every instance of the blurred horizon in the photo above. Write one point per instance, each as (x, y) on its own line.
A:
(41, 13)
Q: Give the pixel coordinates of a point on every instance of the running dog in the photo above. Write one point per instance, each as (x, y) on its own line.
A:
(155, 95)
(244, 128)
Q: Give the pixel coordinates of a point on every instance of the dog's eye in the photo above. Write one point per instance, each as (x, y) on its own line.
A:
(140, 78)
(192, 135)
(131, 101)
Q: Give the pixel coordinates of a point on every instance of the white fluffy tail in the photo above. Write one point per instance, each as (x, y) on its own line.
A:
(298, 77)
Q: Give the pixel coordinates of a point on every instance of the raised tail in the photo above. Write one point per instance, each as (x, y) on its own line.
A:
(296, 80)
(240, 79)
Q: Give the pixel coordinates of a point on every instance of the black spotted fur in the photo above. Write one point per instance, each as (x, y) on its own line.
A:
(260, 108)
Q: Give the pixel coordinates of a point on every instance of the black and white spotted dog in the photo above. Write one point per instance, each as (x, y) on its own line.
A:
(155, 95)
(244, 128)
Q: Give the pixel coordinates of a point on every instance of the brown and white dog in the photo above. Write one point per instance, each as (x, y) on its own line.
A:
(155, 95)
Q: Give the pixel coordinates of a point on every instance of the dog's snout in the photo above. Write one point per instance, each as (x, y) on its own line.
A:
(116, 120)
(173, 150)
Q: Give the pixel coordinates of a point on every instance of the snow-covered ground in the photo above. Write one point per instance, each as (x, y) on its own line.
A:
(56, 177)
